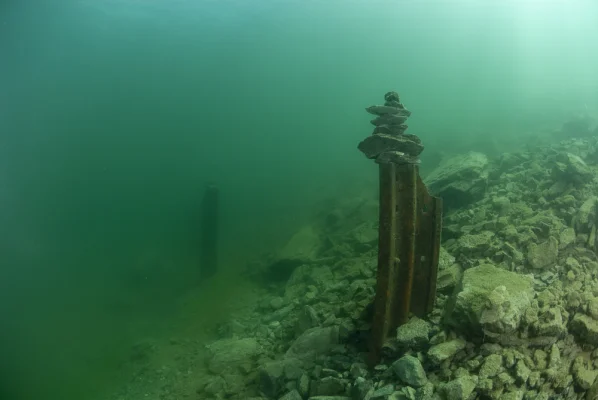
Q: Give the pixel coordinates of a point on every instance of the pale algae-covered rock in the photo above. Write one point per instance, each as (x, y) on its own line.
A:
(476, 243)
(585, 328)
(586, 214)
(410, 371)
(327, 386)
(572, 169)
(272, 375)
(584, 375)
(543, 255)
(229, 354)
(477, 293)
(460, 388)
(491, 367)
(448, 279)
(314, 342)
(292, 395)
(414, 334)
(566, 238)
(459, 180)
(444, 351)
(445, 259)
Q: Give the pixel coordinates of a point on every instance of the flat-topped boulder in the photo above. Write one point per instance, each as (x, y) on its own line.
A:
(459, 180)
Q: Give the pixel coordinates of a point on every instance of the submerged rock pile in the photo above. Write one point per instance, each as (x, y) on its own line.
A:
(389, 143)
(516, 315)
(517, 307)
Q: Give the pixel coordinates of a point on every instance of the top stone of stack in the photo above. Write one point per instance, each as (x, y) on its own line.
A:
(391, 116)
(389, 143)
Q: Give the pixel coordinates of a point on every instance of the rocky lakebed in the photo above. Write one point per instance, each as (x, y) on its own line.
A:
(516, 314)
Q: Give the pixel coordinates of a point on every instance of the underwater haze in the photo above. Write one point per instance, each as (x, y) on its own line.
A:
(115, 114)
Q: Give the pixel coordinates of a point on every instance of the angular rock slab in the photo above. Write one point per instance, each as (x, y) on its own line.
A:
(393, 130)
(374, 145)
(478, 290)
(389, 119)
(459, 180)
(383, 110)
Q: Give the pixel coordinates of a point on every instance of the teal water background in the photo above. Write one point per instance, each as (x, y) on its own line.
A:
(114, 114)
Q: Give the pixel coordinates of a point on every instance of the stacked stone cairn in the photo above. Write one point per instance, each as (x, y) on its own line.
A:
(389, 143)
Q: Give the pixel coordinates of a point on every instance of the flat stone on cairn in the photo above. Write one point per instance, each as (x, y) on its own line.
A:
(389, 143)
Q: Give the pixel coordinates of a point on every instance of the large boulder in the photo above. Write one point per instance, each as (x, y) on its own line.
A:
(490, 301)
(313, 342)
(302, 248)
(459, 180)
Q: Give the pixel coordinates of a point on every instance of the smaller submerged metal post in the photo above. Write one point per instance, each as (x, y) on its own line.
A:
(209, 233)
(410, 224)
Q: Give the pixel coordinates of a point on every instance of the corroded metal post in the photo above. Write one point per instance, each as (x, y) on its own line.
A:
(410, 225)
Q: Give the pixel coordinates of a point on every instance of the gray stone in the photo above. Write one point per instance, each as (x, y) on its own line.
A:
(329, 398)
(491, 367)
(293, 368)
(460, 388)
(216, 386)
(543, 255)
(374, 145)
(362, 388)
(313, 342)
(445, 259)
(572, 168)
(479, 302)
(308, 318)
(303, 385)
(566, 238)
(522, 372)
(358, 370)
(386, 390)
(585, 215)
(444, 351)
(235, 383)
(229, 354)
(585, 328)
(383, 110)
(270, 378)
(292, 395)
(476, 243)
(276, 303)
(410, 371)
(516, 395)
(425, 392)
(448, 278)
(414, 334)
(459, 180)
(328, 386)
(392, 130)
(502, 205)
(583, 376)
(551, 323)
(389, 119)
(405, 393)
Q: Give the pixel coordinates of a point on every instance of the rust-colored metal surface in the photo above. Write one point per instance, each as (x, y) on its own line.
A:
(387, 262)
(409, 245)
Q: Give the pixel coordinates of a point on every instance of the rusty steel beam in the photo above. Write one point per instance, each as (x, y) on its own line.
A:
(409, 245)
(387, 261)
